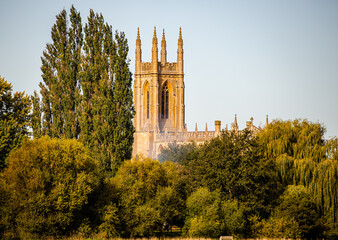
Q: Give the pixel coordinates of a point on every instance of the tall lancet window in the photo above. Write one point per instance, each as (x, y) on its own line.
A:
(165, 101)
(148, 104)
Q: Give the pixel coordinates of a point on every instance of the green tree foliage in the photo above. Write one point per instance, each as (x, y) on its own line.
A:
(204, 217)
(180, 153)
(60, 69)
(209, 216)
(123, 101)
(332, 148)
(36, 116)
(151, 195)
(324, 189)
(106, 107)
(297, 139)
(46, 187)
(233, 164)
(14, 119)
(86, 90)
(297, 207)
(303, 157)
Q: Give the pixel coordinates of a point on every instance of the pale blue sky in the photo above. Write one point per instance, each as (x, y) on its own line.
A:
(249, 57)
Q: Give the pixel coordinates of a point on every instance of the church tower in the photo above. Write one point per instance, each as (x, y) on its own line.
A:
(158, 96)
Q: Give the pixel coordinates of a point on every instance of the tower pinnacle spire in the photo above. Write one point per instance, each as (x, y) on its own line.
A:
(180, 52)
(154, 58)
(138, 52)
(154, 36)
(163, 48)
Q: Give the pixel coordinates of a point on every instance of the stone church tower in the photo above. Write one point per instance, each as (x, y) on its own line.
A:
(159, 103)
(158, 97)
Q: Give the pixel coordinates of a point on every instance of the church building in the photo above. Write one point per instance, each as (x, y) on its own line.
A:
(159, 102)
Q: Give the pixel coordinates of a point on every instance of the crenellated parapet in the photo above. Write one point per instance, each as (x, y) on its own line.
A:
(163, 68)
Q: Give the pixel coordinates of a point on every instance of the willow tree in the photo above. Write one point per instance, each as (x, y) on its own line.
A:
(324, 187)
(303, 157)
(297, 139)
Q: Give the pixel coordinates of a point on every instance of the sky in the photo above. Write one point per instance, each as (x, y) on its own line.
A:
(250, 58)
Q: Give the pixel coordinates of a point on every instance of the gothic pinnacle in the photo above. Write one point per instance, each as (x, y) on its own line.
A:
(155, 32)
(155, 37)
(163, 49)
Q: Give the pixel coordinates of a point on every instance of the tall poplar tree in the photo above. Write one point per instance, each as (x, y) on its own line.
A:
(123, 101)
(60, 67)
(86, 90)
(107, 110)
(97, 107)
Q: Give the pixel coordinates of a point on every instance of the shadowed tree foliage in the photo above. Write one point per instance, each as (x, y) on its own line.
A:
(47, 185)
(233, 163)
(297, 216)
(14, 119)
(152, 195)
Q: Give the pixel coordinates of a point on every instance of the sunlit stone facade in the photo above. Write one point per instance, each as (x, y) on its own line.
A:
(159, 102)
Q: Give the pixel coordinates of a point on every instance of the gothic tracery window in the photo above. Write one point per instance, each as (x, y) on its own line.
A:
(165, 101)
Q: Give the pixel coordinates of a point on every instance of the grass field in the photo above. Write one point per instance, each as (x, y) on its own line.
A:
(98, 237)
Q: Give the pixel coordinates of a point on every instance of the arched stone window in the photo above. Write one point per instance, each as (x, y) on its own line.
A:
(148, 103)
(165, 101)
(160, 149)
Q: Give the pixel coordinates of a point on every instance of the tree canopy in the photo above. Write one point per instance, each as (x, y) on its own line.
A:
(46, 187)
(14, 119)
(152, 196)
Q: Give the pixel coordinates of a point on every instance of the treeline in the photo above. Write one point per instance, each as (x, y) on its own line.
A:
(231, 185)
(282, 183)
